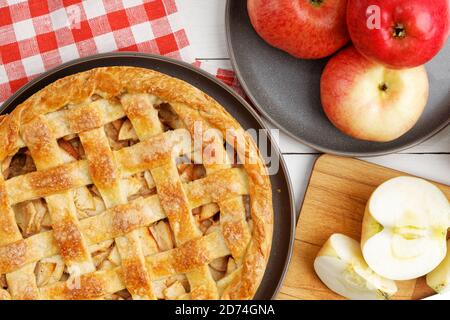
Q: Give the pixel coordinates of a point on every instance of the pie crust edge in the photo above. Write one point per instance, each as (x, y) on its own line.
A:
(111, 82)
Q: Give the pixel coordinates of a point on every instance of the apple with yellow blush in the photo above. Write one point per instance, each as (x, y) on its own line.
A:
(368, 101)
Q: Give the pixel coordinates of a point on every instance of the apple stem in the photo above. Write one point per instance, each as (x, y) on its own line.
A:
(399, 31)
(316, 3)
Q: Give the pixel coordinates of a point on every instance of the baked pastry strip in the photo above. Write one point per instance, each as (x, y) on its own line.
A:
(176, 205)
(258, 250)
(106, 177)
(174, 261)
(190, 256)
(87, 115)
(110, 224)
(137, 158)
(9, 230)
(226, 178)
(90, 115)
(46, 153)
(215, 158)
(139, 108)
(21, 282)
(144, 118)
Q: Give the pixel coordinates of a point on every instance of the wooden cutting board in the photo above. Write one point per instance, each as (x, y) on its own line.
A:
(335, 200)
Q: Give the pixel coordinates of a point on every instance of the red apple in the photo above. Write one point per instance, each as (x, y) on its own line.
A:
(398, 33)
(368, 101)
(309, 29)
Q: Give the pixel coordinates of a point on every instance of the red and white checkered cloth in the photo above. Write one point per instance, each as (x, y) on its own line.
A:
(225, 75)
(37, 35)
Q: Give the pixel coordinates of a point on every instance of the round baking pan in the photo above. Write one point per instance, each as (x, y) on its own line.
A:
(286, 90)
(284, 212)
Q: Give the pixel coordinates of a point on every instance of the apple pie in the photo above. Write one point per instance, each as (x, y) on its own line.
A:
(125, 183)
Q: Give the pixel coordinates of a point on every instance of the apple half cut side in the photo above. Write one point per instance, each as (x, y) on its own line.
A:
(341, 267)
(404, 228)
(439, 278)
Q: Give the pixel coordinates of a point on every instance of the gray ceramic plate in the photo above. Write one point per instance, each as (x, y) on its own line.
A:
(284, 219)
(286, 90)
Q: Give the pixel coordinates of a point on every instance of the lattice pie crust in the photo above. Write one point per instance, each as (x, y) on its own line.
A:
(97, 200)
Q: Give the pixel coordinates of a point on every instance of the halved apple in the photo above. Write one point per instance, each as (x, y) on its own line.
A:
(439, 278)
(341, 267)
(404, 228)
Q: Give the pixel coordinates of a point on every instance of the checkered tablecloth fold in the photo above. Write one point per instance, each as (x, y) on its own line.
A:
(37, 35)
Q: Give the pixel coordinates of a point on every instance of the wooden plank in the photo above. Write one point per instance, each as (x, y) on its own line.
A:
(334, 202)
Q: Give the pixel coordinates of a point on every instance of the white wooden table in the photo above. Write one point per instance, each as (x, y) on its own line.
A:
(205, 25)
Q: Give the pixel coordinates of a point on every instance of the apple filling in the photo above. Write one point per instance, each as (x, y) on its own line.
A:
(33, 216)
